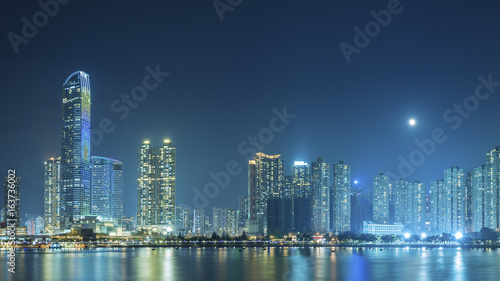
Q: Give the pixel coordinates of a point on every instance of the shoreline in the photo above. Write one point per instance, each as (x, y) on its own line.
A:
(267, 245)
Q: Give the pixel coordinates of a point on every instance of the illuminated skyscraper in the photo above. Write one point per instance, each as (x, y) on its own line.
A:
(416, 214)
(52, 199)
(341, 196)
(156, 187)
(242, 211)
(75, 148)
(469, 179)
(440, 205)
(381, 199)
(225, 221)
(401, 201)
(321, 196)
(493, 187)
(481, 200)
(107, 188)
(265, 180)
(199, 222)
(454, 184)
(409, 199)
(301, 179)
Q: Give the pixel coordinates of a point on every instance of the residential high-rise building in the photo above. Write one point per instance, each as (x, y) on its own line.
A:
(199, 222)
(469, 179)
(218, 220)
(381, 199)
(481, 200)
(156, 187)
(320, 180)
(12, 215)
(107, 188)
(361, 207)
(493, 174)
(287, 190)
(288, 215)
(242, 211)
(301, 179)
(448, 202)
(265, 180)
(39, 225)
(440, 205)
(225, 221)
(409, 201)
(400, 191)
(341, 197)
(454, 182)
(187, 221)
(179, 221)
(416, 207)
(75, 148)
(52, 199)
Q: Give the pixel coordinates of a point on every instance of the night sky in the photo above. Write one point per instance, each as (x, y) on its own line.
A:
(226, 77)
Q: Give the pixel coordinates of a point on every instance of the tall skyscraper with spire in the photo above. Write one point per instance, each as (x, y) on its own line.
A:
(75, 148)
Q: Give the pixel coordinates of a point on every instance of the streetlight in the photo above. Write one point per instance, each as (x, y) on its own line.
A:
(458, 235)
(423, 235)
(406, 235)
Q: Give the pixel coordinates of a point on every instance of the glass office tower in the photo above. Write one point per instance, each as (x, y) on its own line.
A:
(75, 148)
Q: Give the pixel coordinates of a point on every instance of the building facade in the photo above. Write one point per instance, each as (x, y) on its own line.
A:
(381, 199)
(75, 148)
(493, 187)
(107, 188)
(301, 179)
(156, 186)
(320, 180)
(52, 199)
(341, 197)
(265, 180)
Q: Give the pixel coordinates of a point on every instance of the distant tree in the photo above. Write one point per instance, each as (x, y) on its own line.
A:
(446, 237)
(225, 236)
(244, 236)
(432, 238)
(215, 236)
(367, 237)
(415, 238)
(347, 236)
(388, 238)
(488, 235)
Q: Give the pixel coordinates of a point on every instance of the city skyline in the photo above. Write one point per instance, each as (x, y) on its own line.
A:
(250, 140)
(424, 91)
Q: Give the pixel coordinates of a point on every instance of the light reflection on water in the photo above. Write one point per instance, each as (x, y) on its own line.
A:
(254, 264)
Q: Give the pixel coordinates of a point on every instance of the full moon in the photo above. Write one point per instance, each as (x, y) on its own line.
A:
(412, 122)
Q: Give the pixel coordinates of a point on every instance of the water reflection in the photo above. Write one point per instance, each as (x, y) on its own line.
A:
(254, 264)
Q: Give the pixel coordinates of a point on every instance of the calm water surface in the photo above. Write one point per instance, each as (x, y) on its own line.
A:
(255, 264)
